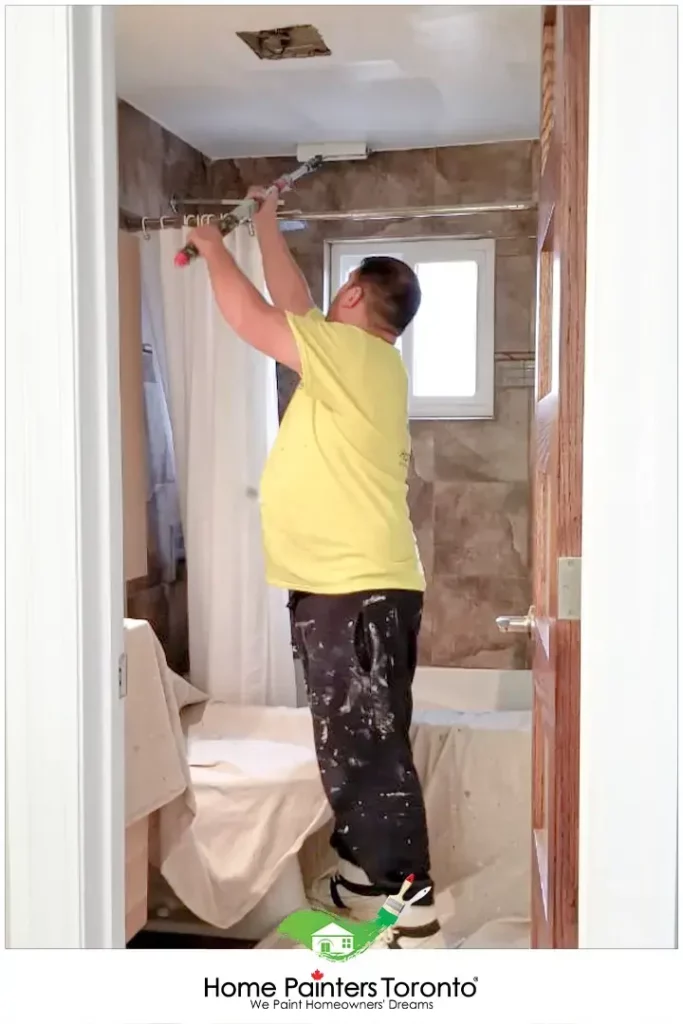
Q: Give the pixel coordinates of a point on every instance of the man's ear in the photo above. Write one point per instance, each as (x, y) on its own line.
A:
(353, 295)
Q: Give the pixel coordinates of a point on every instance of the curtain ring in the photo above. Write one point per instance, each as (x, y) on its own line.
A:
(145, 233)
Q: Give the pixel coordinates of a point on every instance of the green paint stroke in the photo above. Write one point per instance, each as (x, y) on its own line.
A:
(304, 926)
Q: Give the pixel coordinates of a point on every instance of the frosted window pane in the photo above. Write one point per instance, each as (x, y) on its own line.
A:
(445, 331)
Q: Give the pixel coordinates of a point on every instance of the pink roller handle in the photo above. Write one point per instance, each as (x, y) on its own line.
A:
(183, 257)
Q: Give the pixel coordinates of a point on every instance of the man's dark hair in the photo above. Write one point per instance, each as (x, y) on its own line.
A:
(394, 291)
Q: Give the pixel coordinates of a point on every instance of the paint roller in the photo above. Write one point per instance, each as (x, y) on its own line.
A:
(313, 156)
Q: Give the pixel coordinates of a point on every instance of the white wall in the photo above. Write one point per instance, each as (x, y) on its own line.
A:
(64, 719)
(627, 870)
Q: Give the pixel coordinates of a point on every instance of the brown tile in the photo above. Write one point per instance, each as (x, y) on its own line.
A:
(462, 614)
(485, 450)
(515, 303)
(230, 179)
(423, 448)
(520, 245)
(481, 529)
(424, 648)
(498, 172)
(421, 504)
(391, 179)
(506, 226)
(309, 259)
(154, 164)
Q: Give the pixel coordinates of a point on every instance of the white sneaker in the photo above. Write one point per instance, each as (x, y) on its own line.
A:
(347, 892)
(416, 928)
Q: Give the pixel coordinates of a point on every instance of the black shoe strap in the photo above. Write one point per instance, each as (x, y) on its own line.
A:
(338, 881)
(423, 931)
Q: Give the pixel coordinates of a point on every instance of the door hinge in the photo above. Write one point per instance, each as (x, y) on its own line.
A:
(569, 589)
(123, 676)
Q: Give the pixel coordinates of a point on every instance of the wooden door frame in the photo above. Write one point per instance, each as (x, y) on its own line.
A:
(65, 782)
(628, 741)
(557, 463)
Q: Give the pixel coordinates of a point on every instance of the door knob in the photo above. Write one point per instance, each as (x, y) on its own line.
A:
(517, 623)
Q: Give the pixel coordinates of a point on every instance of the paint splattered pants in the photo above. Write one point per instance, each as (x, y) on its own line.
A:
(359, 653)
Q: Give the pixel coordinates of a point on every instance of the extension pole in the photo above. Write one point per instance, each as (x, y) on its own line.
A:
(246, 210)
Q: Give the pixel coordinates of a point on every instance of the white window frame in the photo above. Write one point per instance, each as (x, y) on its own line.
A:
(482, 251)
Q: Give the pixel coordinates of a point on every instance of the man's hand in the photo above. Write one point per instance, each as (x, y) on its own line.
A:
(242, 306)
(268, 201)
(206, 239)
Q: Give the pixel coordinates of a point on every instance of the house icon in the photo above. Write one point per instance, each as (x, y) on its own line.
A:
(332, 938)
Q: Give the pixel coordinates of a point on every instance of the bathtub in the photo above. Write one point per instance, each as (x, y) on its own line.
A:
(435, 691)
(501, 698)
(464, 689)
(459, 689)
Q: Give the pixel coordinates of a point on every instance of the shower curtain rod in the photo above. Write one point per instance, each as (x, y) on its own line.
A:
(176, 220)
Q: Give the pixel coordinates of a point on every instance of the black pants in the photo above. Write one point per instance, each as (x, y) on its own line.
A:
(359, 653)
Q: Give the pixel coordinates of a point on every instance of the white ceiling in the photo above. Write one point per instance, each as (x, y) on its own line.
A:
(399, 76)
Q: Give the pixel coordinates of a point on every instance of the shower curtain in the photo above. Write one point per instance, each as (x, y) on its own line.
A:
(222, 408)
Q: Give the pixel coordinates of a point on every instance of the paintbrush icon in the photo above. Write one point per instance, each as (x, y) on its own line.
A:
(393, 906)
(305, 925)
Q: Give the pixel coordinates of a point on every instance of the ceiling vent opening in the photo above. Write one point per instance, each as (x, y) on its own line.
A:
(286, 43)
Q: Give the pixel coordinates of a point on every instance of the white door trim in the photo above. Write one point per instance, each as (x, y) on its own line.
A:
(64, 718)
(628, 787)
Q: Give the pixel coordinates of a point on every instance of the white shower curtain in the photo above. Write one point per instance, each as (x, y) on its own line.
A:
(222, 399)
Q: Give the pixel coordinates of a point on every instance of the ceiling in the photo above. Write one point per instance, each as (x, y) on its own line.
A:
(398, 77)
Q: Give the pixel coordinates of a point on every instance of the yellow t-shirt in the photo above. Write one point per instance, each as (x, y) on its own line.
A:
(334, 492)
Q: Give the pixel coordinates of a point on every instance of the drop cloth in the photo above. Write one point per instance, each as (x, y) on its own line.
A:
(238, 792)
(258, 796)
(156, 770)
(237, 789)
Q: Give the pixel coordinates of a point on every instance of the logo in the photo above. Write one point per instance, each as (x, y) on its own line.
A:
(322, 993)
(340, 939)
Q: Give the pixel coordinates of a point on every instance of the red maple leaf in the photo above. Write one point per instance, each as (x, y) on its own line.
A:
(317, 975)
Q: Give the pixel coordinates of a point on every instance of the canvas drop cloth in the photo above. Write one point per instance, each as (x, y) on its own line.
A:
(258, 797)
(238, 792)
(156, 768)
(236, 789)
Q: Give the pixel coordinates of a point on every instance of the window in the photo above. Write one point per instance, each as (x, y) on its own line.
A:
(448, 349)
(347, 944)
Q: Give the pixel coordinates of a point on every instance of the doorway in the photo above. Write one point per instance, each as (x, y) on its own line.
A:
(87, 488)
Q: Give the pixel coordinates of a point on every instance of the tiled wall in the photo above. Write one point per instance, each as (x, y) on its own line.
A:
(469, 481)
(153, 166)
